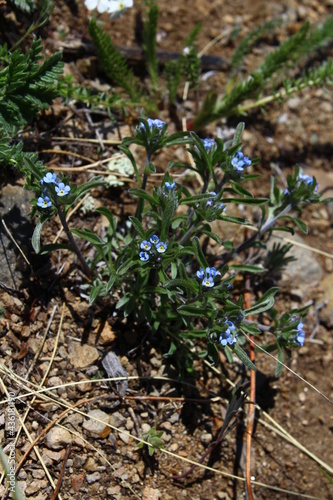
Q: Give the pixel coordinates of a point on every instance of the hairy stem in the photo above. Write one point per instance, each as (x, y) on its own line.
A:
(85, 267)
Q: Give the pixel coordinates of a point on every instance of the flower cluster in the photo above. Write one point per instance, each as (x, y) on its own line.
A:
(207, 276)
(307, 179)
(227, 337)
(211, 202)
(303, 178)
(169, 186)
(300, 334)
(239, 161)
(113, 7)
(153, 124)
(60, 188)
(208, 144)
(147, 247)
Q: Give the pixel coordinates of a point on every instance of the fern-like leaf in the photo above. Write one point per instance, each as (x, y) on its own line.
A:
(114, 64)
(26, 86)
(149, 41)
(251, 39)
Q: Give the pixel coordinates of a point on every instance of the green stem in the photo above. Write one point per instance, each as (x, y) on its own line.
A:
(239, 110)
(86, 268)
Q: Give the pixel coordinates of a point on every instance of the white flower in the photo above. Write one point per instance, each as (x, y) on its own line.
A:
(102, 5)
(116, 7)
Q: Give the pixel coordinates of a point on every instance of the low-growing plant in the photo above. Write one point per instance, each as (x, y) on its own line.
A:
(158, 267)
(157, 264)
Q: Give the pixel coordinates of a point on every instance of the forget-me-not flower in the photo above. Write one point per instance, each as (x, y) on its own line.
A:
(145, 245)
(49, 178)
(154, 239)
(208, 144)
(307, 179)
(61, 189)
(170, 186)
(227, 337)
(239, 161)
(161, 247)
(300, 334)
(44, 202)
(158, 124)
(207, 275)
(144, 256)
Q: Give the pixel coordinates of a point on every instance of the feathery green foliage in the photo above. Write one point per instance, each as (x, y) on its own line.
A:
(72, 92)
(114, 63)
(186, 66)
(275, 70)
(249, 40)
(11, 155)
(26, 86)
(149, 42)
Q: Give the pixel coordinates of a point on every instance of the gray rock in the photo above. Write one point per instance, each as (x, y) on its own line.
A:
(93, 478)
(58, 438)
(305, 271)
(114, 369)
(14, 205)
(82, 356)
(95, 425)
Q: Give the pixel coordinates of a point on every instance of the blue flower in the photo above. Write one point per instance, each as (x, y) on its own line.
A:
(201, 273)
(155, 124)
(227, 337)
(170, 186)
(239, 161)
(208, 144)
(211, 271)
(207, 275)
(44, 202)
(307, 179)
(208, 281)
(154, 239)
(161, 247)
(49, 178)
(145, 245)
(61, 189)
(300, 334)
(144, 256)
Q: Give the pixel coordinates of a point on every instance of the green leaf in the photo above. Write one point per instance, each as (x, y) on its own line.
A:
(243, 357)
(181, 283)
(188, 310)
(239, 130)
(300, 224)
(95, 292)
(55, 246)
(88, 235)
(108, 214)
(246, 201)
(198, 252)
(110, 283)
(125, 267)
(235, 220)
(239, 189)
(265, 303)
(140, 193)
(138, 227)
(251, 328)
(196, 199)
(36, 236)
(247, 268)
(213, 236)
